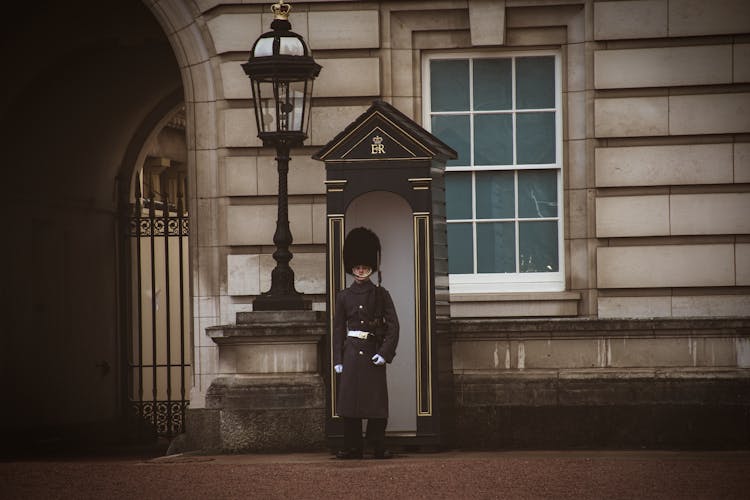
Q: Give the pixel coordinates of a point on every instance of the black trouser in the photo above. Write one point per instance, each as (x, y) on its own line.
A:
(375, 435)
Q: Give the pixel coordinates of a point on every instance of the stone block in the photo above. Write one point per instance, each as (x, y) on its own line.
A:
(201, 79)
(234, 82)
(577, 115)
(309, 272)
(319, 223)
(741, 63)
(256, 224)
(576, 65)
(623, 216)
(349, 29)
(306, 176)
(718, 17)
(243, 274)
(194, 50)
(483, 355)
(631, 117)
(269, 413)
(234, 32)
(206, 173)
(711, 306)
(238, 128)
(661, 266)
(577, 211)
(630, 19)
(240, 176)
(559, 354)
(741, 162)
(487, 21)
(402, 72)
(709, 114)
(348, 77)
(514, 309)
(177, 12)
(663, 67)
(579, 160)
(742, 254)
(710, 213)
(634, 307)
(328, 121)
(665, 165)
(661, 352)
(205, 125)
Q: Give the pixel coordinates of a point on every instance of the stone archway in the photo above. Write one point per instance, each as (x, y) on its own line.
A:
(83, 80)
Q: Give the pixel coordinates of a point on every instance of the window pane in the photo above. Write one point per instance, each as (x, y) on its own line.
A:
(535, 82)
(496, 247)
(493, 139)
(458, 195)
(449, 85)
(537, 242)
(460, 249)
(535, 133)
(495, 195)
(492, 84)
(454, 131)
(537, 193)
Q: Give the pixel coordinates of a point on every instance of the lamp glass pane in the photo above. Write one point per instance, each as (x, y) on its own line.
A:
(291, 46)
(263, 47)
(267, 102)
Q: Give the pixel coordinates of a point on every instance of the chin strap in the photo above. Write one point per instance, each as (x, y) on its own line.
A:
(380, 272)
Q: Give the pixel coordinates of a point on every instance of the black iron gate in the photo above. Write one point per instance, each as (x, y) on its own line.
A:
(158, 348)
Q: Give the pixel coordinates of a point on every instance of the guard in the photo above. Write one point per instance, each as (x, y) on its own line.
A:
(365, 335)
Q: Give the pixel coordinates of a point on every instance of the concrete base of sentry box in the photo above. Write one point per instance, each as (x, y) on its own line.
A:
(269, 395)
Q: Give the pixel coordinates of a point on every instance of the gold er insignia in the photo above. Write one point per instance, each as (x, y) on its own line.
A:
(377, 147)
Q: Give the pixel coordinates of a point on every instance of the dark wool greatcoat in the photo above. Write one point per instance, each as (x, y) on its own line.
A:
(362, 388)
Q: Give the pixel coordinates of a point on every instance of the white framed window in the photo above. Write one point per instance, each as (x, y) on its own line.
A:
(502, 114)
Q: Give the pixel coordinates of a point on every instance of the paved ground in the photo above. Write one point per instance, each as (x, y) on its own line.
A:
(450, 475)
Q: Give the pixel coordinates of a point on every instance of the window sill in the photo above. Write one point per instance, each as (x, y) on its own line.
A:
(514, 305)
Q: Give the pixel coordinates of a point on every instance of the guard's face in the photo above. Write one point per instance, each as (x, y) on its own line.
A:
(361, 272)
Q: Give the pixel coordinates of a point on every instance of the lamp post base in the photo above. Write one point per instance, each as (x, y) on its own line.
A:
(268, 302)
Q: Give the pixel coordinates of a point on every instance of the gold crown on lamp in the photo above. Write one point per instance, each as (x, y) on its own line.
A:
(377, 139)
(281, 10)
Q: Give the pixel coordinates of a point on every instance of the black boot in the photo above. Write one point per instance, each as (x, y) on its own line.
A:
(352, 439)
(349, 454)
(376, 437)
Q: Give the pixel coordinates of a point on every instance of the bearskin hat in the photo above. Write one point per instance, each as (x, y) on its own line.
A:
(361, 247)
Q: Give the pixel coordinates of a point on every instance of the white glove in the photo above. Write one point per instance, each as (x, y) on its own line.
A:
(338, 368)
(378, 360)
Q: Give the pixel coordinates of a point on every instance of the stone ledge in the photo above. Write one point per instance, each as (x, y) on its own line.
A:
(528, 304)
(546, 388)
(497, 329)
(276, 326)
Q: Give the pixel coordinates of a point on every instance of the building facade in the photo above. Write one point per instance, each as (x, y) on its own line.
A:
(598, 213)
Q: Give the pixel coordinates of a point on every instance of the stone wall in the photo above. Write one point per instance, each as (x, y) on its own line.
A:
(600, 384)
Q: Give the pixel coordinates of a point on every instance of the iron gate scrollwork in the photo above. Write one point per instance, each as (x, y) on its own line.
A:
(159, 349)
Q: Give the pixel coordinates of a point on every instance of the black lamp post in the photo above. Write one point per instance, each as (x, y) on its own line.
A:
(281, 73)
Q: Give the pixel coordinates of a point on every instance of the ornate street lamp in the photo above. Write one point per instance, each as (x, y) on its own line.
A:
(281, 73)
